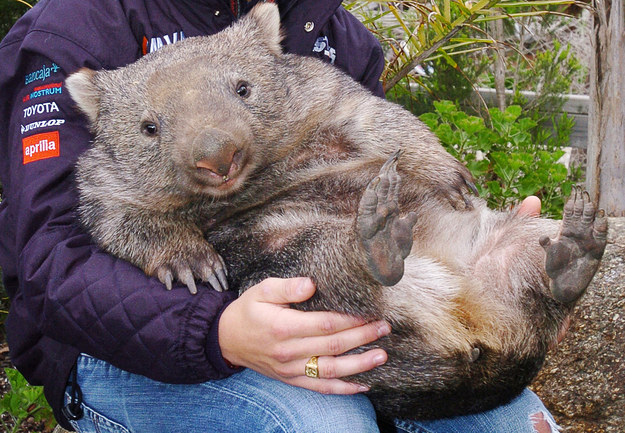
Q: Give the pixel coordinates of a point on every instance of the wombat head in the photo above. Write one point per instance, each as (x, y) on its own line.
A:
(195, 117)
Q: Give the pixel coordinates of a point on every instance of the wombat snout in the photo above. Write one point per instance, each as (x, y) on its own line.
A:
(224, 164)
(217, 157)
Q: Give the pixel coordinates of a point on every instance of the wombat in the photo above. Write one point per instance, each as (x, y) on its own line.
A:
(284, 166)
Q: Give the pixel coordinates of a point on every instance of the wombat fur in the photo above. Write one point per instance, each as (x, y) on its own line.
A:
(284, 166)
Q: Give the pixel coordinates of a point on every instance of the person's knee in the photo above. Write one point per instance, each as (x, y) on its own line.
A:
(542, 423)
(334, 414)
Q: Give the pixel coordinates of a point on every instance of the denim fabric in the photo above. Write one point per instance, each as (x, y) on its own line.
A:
(514, 417)
(115, 401)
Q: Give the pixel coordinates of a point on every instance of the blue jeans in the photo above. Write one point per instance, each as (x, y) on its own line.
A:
(116, 401)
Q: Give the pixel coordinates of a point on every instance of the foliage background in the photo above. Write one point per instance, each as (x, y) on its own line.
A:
(10, 11)
(439, 53)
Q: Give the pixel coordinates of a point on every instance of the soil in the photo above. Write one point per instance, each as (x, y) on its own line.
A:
(583, 380)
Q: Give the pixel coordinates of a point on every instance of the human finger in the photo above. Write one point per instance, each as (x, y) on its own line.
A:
(335, 367)
(283, 291)
(289, 352)
(346, 340)
(301, 324)
(331, 369)
(530, 206)
(295, 323)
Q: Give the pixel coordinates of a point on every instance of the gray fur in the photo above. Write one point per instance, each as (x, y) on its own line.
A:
(299, 176)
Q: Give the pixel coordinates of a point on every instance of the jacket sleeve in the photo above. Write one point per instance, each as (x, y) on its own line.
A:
(358, 52)
(341, 40)
(62, 285)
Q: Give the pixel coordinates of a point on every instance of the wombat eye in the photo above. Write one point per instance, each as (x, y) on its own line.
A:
(149, 128)
(243, 89)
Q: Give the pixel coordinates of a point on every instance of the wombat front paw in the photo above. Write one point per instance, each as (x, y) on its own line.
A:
(385, 236)
(199, 262)
(574, 256)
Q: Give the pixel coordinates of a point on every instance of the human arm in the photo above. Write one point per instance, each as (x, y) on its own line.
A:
(64, 288)
(342, 40)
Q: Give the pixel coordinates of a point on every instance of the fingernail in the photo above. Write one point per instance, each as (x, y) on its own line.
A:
(379, 359)
(384, 329)
(363, 388)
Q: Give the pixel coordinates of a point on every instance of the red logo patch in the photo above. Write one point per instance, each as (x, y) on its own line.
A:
(41, 146)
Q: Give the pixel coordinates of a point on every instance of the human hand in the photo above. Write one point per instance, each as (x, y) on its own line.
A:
(259, 331)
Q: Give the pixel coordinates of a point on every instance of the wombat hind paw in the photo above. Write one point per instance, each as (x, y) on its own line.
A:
(386, 238)
(574, 256)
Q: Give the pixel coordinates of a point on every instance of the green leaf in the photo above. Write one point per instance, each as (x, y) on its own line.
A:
(4, 403)
(478, 168)
(446, 134)
(471, 124)
(529, 185)
(16, 380)
(525, 124)
(494, 187)
(430, 119)
(512, 113)
(24, 400)
(445, 107)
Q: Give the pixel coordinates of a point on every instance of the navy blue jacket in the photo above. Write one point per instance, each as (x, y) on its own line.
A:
(68, 296)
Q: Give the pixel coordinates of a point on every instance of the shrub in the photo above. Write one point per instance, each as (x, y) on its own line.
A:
(511, 157)
(24, 402)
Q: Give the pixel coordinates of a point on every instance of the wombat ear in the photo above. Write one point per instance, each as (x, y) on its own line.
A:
(83, 89)
(266, 18)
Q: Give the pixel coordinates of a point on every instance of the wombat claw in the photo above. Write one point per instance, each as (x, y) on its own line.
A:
(209, 268)
(574, 256)
(386, 238)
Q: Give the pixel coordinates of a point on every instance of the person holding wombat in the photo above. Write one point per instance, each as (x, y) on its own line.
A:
(143, 358)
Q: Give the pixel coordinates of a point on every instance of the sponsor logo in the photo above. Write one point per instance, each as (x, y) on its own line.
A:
(41, 124)
(48, 89)
(44, 107)
(42, 73)
(156, 43)
(322, 45)
(41, 146)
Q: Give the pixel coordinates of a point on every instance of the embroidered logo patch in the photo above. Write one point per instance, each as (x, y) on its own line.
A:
(156, 43)
(41, 146)
(322, 45)
(47, 90)
(42, 73)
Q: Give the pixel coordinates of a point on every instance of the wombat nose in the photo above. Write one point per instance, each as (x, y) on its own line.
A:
(220, 169)
(222, 163)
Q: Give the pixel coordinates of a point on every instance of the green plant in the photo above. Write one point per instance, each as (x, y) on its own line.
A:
(10, 11)
(511, 158)
(414, 32)
(24, 401)
(441, 81)
(551, 76)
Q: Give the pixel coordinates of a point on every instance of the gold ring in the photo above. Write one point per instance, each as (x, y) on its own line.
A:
(312, 369)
